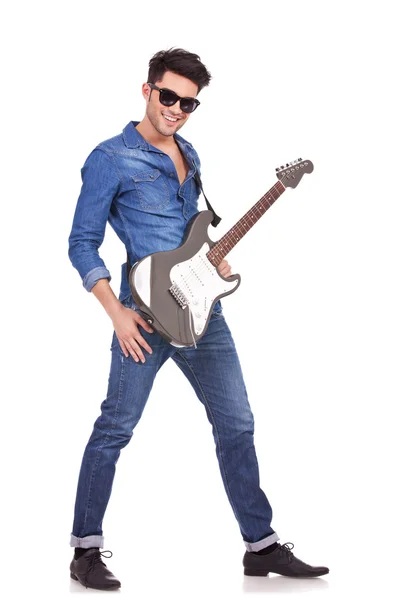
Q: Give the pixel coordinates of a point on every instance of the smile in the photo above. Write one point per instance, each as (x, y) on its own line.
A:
(171, 119)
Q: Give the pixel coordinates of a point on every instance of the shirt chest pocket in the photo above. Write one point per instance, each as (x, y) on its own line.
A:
(151, 189)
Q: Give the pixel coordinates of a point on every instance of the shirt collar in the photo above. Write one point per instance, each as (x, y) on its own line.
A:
(133, 139)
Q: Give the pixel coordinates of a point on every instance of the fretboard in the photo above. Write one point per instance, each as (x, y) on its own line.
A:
(231, 237)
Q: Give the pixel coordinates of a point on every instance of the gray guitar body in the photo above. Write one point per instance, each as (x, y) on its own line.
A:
(177, 289)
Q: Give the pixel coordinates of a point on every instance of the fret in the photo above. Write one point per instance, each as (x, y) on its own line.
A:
(237, 232)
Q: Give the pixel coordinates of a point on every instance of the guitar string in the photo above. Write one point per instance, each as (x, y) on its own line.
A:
(229, 239)
(197, 272)
(229, 236)
(187, 280)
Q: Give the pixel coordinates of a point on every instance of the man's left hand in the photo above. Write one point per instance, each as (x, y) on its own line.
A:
(224, 268)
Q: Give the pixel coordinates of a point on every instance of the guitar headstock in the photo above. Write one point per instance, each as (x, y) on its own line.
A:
(291, 174)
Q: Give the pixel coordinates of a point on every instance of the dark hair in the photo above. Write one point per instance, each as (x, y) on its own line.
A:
(181, 62)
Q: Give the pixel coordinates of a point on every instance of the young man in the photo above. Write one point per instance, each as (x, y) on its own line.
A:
(142, 182)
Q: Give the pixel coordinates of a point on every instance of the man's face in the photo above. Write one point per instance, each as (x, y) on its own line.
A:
(158, 114)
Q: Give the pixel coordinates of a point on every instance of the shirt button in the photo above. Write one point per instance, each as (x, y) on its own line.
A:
(171, 174)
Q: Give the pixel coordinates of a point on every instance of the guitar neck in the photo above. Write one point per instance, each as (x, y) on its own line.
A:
(231, 238)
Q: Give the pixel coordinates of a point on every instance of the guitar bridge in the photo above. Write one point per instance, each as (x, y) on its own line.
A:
(179, 295)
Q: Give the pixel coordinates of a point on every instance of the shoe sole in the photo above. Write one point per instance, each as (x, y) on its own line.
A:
(256, 572)
(261, 573)
(113, 587)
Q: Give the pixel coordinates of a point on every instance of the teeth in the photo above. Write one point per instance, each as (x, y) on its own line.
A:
(170, 119)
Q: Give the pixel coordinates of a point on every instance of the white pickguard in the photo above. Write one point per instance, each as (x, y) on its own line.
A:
(200, 283)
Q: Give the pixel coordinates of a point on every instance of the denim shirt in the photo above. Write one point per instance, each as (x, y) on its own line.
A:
(135, 187)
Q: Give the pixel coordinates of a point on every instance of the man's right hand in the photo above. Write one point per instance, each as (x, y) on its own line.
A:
(126, 322)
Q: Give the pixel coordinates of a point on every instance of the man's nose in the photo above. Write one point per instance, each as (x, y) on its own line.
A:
(176, 108)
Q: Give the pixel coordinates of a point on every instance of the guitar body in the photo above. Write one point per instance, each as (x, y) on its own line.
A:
(177, 289)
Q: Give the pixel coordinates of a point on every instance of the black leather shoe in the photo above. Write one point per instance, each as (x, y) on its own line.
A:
(281, 561)
(91, 572)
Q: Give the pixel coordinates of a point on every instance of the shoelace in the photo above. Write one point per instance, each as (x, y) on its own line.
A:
(286, 549)
(94, 559)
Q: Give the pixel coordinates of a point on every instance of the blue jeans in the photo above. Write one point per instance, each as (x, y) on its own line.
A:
(214, 371)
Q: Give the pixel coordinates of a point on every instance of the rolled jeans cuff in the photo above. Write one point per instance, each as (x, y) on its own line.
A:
(264, 543)
(89, 541)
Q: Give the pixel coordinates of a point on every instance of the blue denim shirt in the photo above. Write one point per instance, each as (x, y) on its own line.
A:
(135, 187)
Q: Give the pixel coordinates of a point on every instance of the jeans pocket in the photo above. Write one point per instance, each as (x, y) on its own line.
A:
(129, 302)
(217, 310)
(115, 345)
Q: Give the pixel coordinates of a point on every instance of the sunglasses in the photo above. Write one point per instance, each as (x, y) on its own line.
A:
(169, 98)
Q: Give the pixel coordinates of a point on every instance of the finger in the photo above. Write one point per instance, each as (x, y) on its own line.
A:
(137, 350)
(143, 343)
(225, 267)
(123, 348)
(221, 266)
(144, 324)
(133, 354)
(127, 350)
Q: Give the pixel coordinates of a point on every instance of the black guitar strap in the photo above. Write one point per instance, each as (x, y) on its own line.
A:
(214, 222)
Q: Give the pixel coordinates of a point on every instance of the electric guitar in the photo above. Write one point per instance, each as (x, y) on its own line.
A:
(177, 289)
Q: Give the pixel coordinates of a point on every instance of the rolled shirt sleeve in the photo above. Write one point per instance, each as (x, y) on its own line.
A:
(100, 185)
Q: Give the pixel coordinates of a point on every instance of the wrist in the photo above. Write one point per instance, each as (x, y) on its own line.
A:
(114, 309)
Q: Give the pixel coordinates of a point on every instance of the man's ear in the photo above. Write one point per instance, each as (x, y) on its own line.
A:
(146, 91)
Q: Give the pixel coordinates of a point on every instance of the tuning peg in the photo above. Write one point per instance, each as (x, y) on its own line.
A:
(282, 167)
(277, 169)
(299, 159)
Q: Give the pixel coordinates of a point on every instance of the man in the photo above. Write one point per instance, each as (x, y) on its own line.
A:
(143, 183)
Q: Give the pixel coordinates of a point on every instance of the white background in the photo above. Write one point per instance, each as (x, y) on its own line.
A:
(315, 320)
